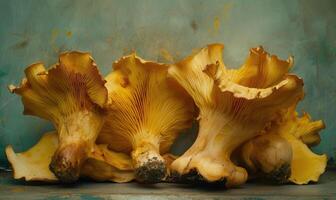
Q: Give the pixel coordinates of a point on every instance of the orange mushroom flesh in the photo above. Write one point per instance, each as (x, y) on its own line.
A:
(71, 94)
(146, 112)
(234, 106)
(102, 164)
(304, 166)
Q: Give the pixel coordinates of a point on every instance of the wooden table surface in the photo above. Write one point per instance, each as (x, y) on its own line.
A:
(12, 189)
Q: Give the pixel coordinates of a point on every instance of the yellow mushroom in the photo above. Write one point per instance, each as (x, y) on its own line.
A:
(267, 156)
(71, 94)
(106, 165)
(234, 106)
(302, 132)
(101, 164)
(145, 113)
(303, 166)
(33, 164)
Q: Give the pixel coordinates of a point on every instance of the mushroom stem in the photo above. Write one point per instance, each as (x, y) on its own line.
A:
(210, 154)
(67, 162)
(149, 164)
(77, 134)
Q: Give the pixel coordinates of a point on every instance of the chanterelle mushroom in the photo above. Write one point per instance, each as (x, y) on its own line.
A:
(299, 132)
(71, 95)
(234, 106)
(146, 111)
(101, 164)
(267, 156)
(33, 164)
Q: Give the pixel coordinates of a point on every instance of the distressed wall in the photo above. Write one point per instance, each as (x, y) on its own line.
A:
(37, 30)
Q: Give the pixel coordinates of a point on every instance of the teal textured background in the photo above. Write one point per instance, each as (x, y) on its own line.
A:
(37, 30)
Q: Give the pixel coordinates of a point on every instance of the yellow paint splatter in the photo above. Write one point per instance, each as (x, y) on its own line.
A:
(220, 18)
(226, 10)
(53, 37)
(69, 34)
(166, 55)
(216, 24)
